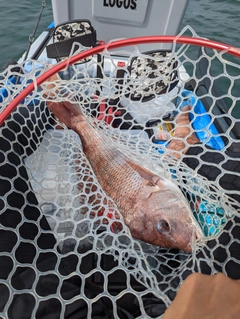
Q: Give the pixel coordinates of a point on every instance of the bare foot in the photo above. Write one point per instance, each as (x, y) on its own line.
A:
(183, 135)
(51, 86)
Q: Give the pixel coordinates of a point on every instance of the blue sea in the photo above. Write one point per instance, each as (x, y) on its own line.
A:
(215, 19)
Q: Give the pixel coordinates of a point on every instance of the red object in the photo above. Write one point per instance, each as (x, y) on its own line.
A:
(110, 215)
(107, 113)
(109, 46)
(121, 64)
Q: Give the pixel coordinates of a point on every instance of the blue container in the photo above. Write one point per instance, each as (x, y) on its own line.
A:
(205, 130)
(210, 218)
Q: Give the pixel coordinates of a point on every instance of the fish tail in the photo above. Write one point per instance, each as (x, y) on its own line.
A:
(67, 112)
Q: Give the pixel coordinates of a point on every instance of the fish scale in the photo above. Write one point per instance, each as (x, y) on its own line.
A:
(152, 207)
(111, 169)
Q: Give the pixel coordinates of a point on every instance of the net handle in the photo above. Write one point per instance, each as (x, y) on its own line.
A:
(110, 46)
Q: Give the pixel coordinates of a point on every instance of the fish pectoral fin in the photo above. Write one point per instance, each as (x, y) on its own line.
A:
(155, 179)
(150, 183)
(162, 183)
(147, 191)
(151, 178)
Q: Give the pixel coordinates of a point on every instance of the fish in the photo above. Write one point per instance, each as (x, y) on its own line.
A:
(152, 206)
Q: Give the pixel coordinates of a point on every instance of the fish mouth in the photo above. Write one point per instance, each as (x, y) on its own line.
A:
(199, 233)
(179, 234)
(197, 236)
(194, 234)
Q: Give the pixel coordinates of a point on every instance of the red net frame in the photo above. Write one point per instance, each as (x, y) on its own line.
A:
(111, 46)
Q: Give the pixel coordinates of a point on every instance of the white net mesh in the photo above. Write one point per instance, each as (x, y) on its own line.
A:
(67, 249)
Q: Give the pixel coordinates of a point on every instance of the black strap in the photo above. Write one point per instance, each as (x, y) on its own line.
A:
(63, 48)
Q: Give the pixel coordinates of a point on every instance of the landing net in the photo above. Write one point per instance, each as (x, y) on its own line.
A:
(65, 250)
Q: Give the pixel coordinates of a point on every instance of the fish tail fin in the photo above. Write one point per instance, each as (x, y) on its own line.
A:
(69, 113)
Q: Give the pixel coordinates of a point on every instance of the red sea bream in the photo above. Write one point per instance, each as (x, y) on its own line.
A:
(152, 207)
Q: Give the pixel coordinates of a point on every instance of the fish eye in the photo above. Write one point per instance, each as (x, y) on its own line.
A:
(163, 226)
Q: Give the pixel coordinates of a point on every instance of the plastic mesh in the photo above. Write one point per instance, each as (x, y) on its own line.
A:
(65, 251)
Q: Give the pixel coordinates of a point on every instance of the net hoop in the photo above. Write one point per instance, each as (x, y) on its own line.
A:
(111, 46)
(86, 244)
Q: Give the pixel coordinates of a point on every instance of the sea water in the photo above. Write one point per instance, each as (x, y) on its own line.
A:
(216, 19)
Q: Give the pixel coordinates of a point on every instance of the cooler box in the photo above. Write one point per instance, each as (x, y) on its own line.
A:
(117, 19)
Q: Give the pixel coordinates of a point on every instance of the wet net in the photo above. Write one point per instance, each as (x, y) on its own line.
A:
(66, 248)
